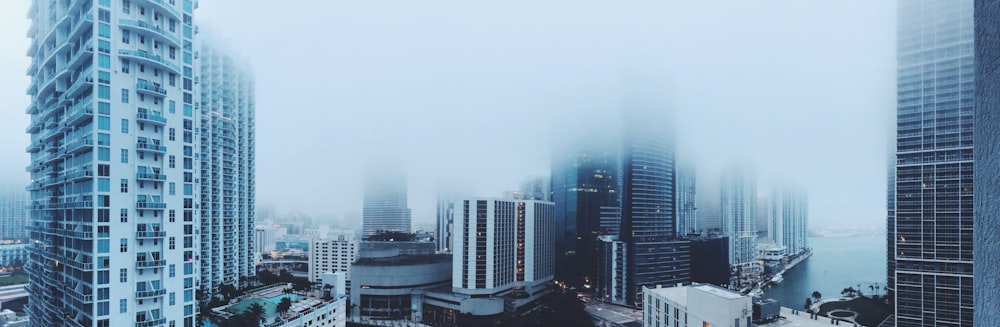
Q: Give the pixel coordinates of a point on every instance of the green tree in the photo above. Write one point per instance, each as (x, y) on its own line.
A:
(257, 311)
(809, 303)
(817, 295)
(284, 305)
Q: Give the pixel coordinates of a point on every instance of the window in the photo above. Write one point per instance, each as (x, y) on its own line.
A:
(104, 15)
(171, 160)
(103, 277)
(126, 6)
(103, 185)
(124, 186)
(123, 275)
(125, 156)
(172, 188)
(123, 303)
(125, 63)
(172, 243)
(124, 95)
(125, 39)
(172, 79)
(142, 40)
(125, 126)
(173, 215)
(170, 134)
(124, 215)
(172, 105)
(123, 245)
(142, 68)
(172, 294)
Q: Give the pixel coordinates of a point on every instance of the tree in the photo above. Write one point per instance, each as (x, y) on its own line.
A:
(809, 303)
(267, 277)
(257, 311)
(817, 295)
(284, 305)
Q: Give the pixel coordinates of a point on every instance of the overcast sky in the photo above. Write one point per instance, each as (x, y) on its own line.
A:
(473, 91)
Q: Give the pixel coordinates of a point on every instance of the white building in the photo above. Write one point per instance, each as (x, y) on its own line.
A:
(700, 305)
(265, 239)
(502, 245)
(226, 136)
(327, 255)
(787, 217)
(738, 208)
(114, 238)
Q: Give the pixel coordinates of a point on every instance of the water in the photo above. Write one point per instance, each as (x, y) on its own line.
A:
(837, 263)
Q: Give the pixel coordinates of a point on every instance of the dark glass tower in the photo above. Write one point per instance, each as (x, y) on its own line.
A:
(932, 231)
(987, 161)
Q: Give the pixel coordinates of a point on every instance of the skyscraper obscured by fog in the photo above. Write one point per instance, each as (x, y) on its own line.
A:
(446, 217)
(385, 206)
(537, 188)
(687, 216)
(13, 213)
(987, 161)
(931, 263)
(787, 215)
(227, 136)
(738, 208)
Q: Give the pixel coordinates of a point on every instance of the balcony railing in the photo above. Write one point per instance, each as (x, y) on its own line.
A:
(150, 264)
(150, 293)
(150, 205)
(150, 57)
(150, 234)
(150, 118)
(151, 176)
(150, 88)
(150, 147)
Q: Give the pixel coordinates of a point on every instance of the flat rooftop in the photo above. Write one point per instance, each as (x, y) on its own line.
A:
(801, 320)
(676, 294)
(718, 291)
(404, 260)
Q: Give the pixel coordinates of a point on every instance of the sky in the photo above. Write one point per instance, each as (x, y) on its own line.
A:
(473, 92)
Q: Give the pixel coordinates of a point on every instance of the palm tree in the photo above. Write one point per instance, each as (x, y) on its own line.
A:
(817, 295)
(284, 305)
(257, 311)
(809, 303)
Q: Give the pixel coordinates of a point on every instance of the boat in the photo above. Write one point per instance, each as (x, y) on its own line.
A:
(777, 278)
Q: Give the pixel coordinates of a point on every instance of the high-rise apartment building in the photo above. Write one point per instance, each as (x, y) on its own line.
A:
(738, 208)
(13, 214)
(931, 244)
(987, 205)
(226, 137)
(385, 206)
(113, 189)
(331, 256)
(787, 217)
(687, 216)
(446, 218)
(502, 246)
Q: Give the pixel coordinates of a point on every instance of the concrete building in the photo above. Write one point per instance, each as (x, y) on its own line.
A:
(738, 203)
(112, 98)
(502, 246)
(265, 239)
(787, 219)
(445, 218)
(326, 256)
(931, 229)
(385, 205)
(227, 137)
(700, 305)
(390, 288)
(14, 214)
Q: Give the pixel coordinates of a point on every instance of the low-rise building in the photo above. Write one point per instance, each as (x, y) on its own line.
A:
(709, 305)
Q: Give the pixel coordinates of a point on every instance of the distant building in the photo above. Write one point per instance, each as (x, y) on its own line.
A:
(502, 246)
(331, 256)
(739, 216)
(445, 219)
(14, 204)
(265, 239)
(687, 204)
(710, 260)
(788, 213)
(385, 205)
(537, 188)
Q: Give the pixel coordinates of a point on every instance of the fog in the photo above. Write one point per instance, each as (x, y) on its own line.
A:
(475, 92)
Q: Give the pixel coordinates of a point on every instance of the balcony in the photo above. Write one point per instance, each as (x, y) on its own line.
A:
(80, 204)
(150, 264)
(150, 205)
(150, 293)
(156, 30)
(82, 82)
(80, 113)
(152, 59)
(165, 7)
(79, 174)
(146, 87)
(150, 234)
(80, 145)
(33, 148)
(149, 147)
(146, 117)
(34, 127)
(151, 323)
(151, 177)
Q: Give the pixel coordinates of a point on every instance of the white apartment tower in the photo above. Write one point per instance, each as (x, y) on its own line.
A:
(331, 256)
(226, 136)
(738, 208)
(787, 216)
(114, 219)
(502, 245)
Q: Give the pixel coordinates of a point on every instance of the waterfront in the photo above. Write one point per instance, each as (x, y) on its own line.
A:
(837, 262)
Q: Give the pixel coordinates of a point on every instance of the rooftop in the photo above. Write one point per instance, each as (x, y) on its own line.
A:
(800, 319)
(404, 260)
(718, 291)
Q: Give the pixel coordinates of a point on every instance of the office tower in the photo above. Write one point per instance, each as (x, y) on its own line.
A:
(331, 256)
(654, 254)
(687, 217)
(987, 206)
(265, 239)
(738, 208)
(385, 203)
(13, 214)
(226, 110)
(502, 246)
(933, 231)
(585, 189)
(111, 97)
(537, 188)
(710, 260)
(787, 215)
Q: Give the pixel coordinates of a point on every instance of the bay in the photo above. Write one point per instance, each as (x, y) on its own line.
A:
(836, 263)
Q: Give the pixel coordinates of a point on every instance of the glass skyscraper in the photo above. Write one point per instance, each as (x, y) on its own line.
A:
(113, 191)
(385, 207)
(931, 230)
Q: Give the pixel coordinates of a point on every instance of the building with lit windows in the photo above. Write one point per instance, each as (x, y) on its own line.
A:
(331, 256)
(930, 237)
(226, 137)
(113, 192)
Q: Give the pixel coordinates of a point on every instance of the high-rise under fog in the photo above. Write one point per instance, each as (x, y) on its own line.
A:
(385, 207)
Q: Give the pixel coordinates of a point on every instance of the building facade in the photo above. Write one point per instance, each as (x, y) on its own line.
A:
(445, 219)
(112, 95)
(502, 246)
(14, 214)
(687, 216)
(226, 110)
(326, 255)
(931, 275)
(987, 206)
(738, 208)
(787, 218)
(385, 207)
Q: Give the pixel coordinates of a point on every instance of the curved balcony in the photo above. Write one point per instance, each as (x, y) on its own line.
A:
(149, 147)
(80, 113)
(150, 88)
(146, 117)
(80, 145)
(33, 147)
(168, 8)
(79, 174)
(155, 60)
(34, 127)
(160, 33)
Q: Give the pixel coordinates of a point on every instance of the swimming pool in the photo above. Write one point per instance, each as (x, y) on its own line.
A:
(277, 299)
